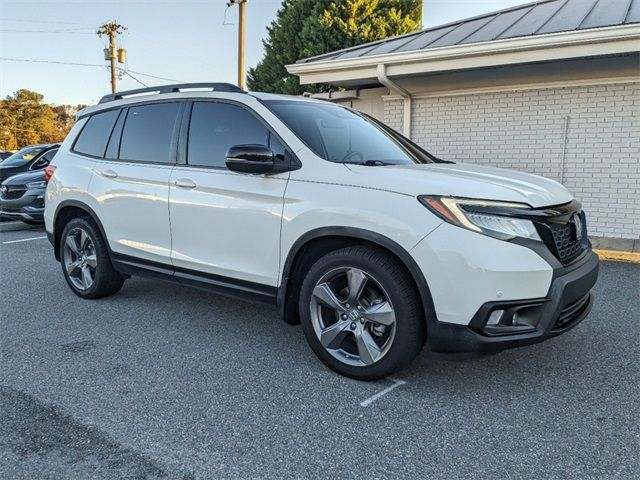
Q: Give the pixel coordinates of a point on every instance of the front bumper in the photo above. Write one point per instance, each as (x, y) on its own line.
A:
(29, 207)
(31, 214)
(567, 303)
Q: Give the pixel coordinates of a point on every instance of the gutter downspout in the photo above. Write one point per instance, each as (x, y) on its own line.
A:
(395, 88)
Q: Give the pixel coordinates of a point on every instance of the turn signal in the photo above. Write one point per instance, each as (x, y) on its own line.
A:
(48, 172)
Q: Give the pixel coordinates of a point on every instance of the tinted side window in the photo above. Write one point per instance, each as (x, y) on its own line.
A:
(215, 127)
(50, 154)
(95, 134)
(148, 132)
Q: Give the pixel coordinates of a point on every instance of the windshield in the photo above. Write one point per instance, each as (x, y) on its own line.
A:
(340, 135)
(22, 157)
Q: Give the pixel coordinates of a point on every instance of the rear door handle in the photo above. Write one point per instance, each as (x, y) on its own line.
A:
(108, 173)
(185, 183)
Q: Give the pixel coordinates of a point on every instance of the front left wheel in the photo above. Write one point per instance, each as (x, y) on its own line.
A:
(85, 261)
(361, 313)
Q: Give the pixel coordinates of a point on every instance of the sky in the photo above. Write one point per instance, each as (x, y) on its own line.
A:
(179, 41)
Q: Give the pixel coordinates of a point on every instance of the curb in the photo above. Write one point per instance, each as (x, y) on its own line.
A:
(618, 256)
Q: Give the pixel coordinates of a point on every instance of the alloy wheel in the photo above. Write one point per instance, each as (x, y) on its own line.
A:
(352, 316)
(80, 258)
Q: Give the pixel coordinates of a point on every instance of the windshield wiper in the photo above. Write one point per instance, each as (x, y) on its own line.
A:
(370, 163)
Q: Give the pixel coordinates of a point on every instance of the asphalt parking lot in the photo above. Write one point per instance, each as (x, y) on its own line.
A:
(162, 381)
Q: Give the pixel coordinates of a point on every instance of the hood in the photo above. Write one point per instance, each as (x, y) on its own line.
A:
(24, 178)
(6, 171)
(465, 180)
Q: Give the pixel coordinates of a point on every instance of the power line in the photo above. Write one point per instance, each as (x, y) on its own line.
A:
(141, 83)
(157, 78)
(6, 59)
(32, 129)
(224, 19)
(48, 22)
(57, 29)
(66, 32)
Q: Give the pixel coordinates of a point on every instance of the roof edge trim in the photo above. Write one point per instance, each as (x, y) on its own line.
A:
(547, 42)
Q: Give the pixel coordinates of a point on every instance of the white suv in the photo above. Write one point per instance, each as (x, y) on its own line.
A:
(372, 243)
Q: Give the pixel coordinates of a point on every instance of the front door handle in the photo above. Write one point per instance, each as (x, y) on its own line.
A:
(185, 183)
(108, 173)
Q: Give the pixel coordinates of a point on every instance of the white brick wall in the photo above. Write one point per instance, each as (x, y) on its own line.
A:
(393, 114)
(524, 131)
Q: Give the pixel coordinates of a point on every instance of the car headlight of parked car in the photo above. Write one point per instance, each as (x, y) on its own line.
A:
(41, 184)
(467, 213)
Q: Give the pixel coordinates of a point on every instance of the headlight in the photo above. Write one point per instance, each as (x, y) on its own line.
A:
(460, 212)
(42, 184)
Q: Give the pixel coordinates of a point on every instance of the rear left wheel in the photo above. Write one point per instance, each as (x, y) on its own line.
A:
(85, 261)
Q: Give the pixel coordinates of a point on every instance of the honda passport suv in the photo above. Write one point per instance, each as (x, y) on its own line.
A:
(373, 244)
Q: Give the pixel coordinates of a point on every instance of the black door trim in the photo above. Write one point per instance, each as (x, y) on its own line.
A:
(228, 286)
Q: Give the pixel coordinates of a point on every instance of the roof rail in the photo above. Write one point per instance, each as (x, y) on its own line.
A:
(219, 87)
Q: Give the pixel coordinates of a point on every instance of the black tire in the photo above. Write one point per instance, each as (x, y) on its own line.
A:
(106, 280)
(393, 277)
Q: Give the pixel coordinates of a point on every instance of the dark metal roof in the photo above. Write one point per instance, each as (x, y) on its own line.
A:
(537, 18)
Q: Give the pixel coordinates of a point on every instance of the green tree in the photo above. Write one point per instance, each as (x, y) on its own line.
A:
(8, 139)
(25, 119)
(283, 46)
(305, 28)
(28, 117)
(65, 118)
(348, 23)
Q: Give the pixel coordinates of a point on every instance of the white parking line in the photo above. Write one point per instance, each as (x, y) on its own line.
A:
(373, 398)
(23, 240)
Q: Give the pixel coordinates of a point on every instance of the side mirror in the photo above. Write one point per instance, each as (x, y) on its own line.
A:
(250, 159)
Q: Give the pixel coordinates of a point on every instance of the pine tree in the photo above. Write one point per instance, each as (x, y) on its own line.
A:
(283, 46)
(305, 28)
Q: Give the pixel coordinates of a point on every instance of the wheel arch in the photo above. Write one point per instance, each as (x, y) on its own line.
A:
(316, 243)
(67, 210)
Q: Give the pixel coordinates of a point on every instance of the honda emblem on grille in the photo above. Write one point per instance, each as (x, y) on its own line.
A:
(577, 224)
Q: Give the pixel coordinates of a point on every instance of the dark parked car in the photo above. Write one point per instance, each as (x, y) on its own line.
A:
(22, 197)
(34, 157)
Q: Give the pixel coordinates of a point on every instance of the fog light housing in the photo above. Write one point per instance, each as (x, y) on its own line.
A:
(509, 318)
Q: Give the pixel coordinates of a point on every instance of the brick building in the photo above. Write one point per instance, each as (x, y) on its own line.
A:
(550, 87)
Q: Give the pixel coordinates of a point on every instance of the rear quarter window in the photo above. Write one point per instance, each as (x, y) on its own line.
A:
(94, 136)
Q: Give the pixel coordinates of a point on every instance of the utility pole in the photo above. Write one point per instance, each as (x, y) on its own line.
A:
(112, 52)
(241, 22)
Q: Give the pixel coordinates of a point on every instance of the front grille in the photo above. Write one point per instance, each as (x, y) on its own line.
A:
(569, 247)
(12, 193)
(567, 241)
(572, 311)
